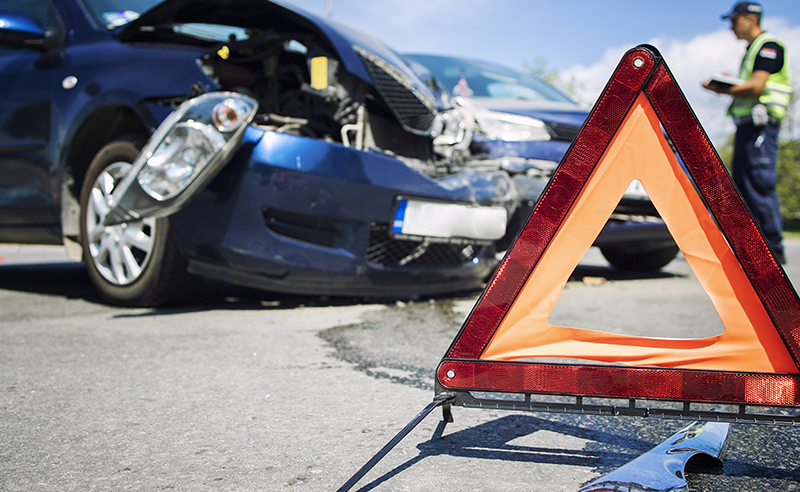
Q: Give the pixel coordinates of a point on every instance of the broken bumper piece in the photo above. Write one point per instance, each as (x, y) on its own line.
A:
(662, 468)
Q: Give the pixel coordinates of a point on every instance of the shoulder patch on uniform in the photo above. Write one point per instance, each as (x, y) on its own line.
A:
(770, 53)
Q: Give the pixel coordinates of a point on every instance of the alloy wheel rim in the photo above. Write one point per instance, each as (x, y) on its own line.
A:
(121, 252)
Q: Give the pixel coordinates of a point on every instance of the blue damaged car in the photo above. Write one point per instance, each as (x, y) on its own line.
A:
(239, 140)
(528, 125)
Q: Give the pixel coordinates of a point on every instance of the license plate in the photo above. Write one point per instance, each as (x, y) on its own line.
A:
(448, 222)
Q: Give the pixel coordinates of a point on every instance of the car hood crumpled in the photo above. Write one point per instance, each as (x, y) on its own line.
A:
(252, 13)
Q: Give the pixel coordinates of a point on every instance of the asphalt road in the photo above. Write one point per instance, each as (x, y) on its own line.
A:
(251, 391)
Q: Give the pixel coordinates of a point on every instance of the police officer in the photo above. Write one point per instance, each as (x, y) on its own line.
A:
(760, 100)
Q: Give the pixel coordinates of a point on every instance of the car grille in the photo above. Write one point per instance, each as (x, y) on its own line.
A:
(414, 111)
(566, 133)
(388, 135)
(386, 251)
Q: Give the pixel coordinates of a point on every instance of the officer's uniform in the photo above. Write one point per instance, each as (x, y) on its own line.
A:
(757, 125)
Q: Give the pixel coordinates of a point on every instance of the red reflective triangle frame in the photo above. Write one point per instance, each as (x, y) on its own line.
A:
(642, 71)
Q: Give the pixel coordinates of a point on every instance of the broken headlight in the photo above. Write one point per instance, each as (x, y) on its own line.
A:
(184, 153)
(454, 128)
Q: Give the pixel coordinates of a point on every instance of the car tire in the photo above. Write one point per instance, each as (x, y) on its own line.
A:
(638, 259)
(134, 263)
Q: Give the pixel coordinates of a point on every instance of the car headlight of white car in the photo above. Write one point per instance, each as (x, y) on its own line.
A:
(511, 127)
(186, 151)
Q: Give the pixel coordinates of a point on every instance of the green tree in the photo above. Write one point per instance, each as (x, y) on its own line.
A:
(789, 165)
(541, 68)
(725, 152)
(789, 179)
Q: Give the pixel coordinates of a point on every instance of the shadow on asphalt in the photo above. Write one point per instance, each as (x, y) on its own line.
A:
(493, 440)
(70, 281)
(610, 449)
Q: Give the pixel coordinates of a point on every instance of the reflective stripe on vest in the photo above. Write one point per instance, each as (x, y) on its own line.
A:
(778, 89)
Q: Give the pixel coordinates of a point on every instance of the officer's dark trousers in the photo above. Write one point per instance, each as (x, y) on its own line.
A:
(755, 174)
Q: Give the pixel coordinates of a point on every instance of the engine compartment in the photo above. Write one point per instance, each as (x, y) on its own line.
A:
(303, 89)
(276, 69)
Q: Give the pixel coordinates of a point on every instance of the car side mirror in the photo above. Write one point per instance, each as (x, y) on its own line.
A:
(22, 31)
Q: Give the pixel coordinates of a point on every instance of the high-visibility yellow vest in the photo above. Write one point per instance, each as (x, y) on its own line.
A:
(778, 90)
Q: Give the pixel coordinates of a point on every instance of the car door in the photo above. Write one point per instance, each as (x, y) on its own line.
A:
(28, 177)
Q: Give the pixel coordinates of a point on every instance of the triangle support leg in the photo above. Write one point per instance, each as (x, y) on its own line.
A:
(443, 399)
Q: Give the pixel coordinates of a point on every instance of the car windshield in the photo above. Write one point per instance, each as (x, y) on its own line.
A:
(115, 13)
(468, 78)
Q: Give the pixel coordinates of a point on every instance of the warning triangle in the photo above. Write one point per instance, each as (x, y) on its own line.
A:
(754, 361)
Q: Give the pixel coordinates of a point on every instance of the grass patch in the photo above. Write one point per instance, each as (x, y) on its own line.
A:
(791, 228)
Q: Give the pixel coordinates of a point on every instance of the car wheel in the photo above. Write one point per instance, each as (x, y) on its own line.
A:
(639, 259)
(134, 263)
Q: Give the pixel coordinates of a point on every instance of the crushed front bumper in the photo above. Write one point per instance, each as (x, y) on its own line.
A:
(306, 216)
